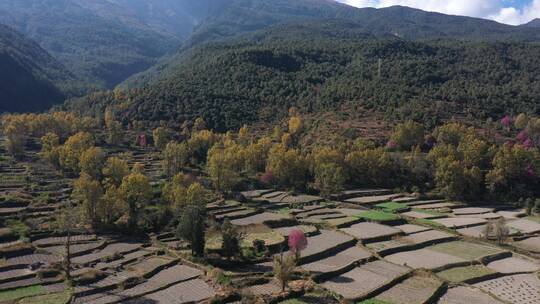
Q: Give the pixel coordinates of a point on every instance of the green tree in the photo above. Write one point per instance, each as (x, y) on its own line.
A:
(192, 221)
(230, 245)
(284, 267)
(329, 178)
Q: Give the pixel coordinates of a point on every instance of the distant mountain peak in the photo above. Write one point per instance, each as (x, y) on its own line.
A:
(533, 23)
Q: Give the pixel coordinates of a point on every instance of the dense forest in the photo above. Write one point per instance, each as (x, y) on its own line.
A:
(320, 66)
(32, 79)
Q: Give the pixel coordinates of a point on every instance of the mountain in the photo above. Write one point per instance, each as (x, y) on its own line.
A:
(535, 23)
(104, 41)
(238, 17)
(319, 65)
(32, 79)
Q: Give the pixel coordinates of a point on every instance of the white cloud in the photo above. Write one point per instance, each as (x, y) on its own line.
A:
(490, 9)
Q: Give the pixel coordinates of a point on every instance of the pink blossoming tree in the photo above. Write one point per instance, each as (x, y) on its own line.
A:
(297, 242)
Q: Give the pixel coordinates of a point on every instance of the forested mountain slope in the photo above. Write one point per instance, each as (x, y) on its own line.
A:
(320, 65)
(102, 41)
(236, 17)
(31, 80)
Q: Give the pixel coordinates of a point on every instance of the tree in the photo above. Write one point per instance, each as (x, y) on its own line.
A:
(111, 206)
(91, 162)
(297, 242)
(456, 181)
(515, 172)
(199, 144)
(89, 192)
(501, 231)
(50, 143)
(68, 222)
(136, 191)
(161, 137)
(175, 157)
(284, 269)
(175, 192)
(223, 167)
(192, 221)
(451, 133)
(114, 132)
(288, 166)
(296, 125)
(199, 124)
(370, 166)
(15, 132)
(408, 135)
(230, 245)
(72, 149)
(521, 121)
(114, 171)
(329, 178)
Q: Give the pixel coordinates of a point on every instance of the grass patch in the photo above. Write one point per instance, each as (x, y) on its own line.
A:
(392, 207)
(18, 228)
(53, 298)
(533, 218)
(465, 250)
(378, 216)
(22, 292)
(430, 212)
(285, 211)
(461, 274)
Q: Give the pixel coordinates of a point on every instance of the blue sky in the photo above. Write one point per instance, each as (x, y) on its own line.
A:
(504, 11)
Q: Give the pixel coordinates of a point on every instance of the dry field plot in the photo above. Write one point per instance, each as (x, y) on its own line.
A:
(260, 218)
(465, 273)
(307, 229)
(422, 215)
(371, 231)
(326, 242)
(460, 222)
(337, 262)
(365, 279)
(471, 210)
(424, 258)
(479, 231)
(442, 205)
(512, 214)
(466, 295)
(192, 291)
(525, 226)
(414, 290)
(517, 289)
(531, 244)
(370, 200)
(410, 228)
(514, 264)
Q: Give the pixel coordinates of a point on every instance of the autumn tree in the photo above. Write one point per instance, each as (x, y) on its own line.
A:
(136, 191)
(370, 166)
(161, 136)
(408, 135)
(501, 231)
(199, 144)
(176, 191)
(15, 132)
(223, 166)
(175, 157)
(111, 206)
(92, 161)
(50, 144)
(70, 153)
(114, 171)
(199, 124)
(516, 171)
(329, 178)
(288, 166)
(89, 192)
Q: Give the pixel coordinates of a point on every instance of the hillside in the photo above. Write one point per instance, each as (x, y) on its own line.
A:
(237, 17)
(100, 41)
(35, 80)
(319, 66)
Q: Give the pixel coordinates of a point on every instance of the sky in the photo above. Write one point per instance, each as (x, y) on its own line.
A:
(505, 11)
